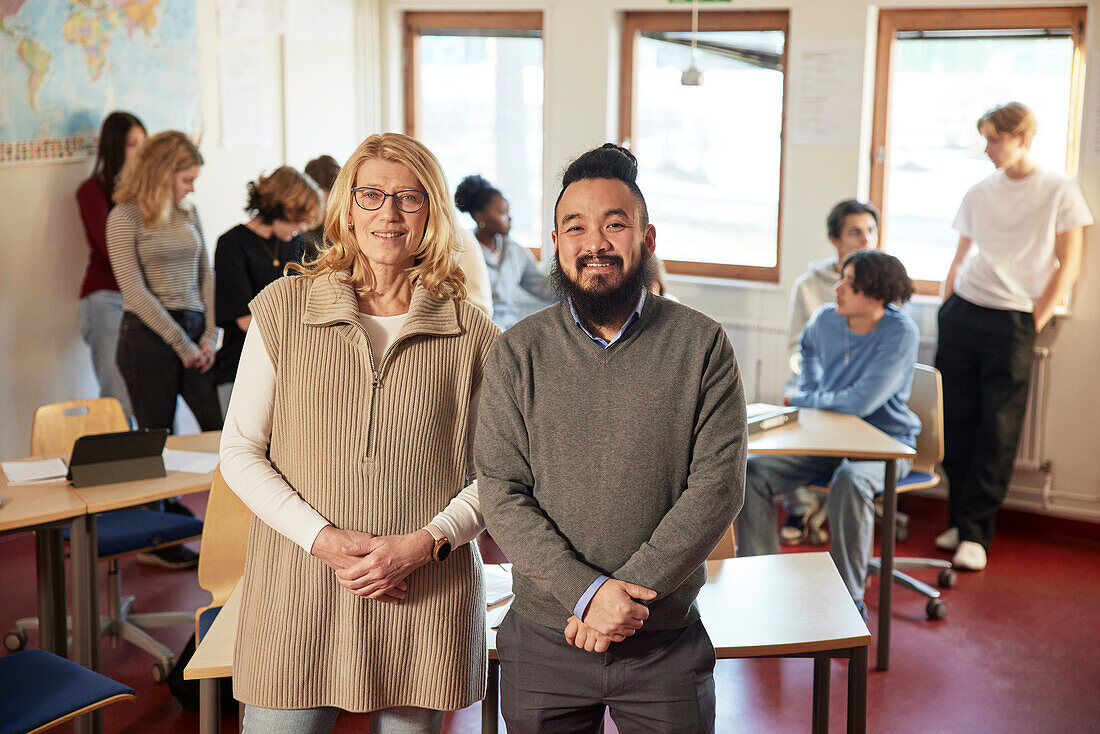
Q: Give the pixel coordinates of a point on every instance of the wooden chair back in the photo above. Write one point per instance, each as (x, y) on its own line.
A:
(926, 401)
(224, 542)
(726, 548)
(57, 426)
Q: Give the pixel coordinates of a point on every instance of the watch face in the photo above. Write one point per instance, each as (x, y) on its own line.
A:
(442, 550)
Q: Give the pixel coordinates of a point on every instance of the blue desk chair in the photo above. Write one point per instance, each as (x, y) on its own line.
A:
(926, 401)
(119, 533)
(42, 690)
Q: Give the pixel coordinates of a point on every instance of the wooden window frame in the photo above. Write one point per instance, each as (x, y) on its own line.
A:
(635, 23)
(891, 21)
(417, 21)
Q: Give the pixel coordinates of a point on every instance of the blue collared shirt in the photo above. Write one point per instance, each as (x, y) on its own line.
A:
(586, 597)
(631, 320)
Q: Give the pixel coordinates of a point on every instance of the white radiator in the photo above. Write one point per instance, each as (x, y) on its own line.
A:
(1031, 454)
(761, 351)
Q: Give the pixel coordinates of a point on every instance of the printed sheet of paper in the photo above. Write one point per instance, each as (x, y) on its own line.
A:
(827, 81)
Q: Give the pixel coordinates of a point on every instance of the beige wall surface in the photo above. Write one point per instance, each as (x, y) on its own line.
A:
(335, 93)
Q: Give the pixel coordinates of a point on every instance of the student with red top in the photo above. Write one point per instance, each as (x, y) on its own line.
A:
(100, 300)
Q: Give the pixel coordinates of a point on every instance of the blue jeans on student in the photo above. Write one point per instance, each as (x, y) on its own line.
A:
(100, 313)
(398, 720)
(850, 505)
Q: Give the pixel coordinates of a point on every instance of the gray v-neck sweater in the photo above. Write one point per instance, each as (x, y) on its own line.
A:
(627, 461)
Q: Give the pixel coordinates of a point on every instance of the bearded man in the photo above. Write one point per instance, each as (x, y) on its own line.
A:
(610, 452)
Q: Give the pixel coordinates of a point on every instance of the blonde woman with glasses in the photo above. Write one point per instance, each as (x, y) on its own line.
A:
(349, 437)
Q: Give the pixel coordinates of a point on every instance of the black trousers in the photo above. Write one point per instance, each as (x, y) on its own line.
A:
(984, 356)
(155, 375)
(658, 682)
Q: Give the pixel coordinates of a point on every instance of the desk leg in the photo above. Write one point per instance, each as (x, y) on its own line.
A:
(85, 559)
(49, 553)
(821, 694)
(210, 709)
(886, 577)
(490, 707)
(857, 691)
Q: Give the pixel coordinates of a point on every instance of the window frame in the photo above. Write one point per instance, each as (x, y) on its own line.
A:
(416, 21)
(633, 24)
(893, 21)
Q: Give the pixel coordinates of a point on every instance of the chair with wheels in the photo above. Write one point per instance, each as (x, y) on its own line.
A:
(119, 533)
(43, 690)
(926, 401)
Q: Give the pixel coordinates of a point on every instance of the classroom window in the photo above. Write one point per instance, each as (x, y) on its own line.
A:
(474, 95)
(938, 73)
(709, 156)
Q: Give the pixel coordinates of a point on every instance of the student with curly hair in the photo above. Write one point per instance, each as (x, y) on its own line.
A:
(253, 254)
(510, 265)
(858, 357)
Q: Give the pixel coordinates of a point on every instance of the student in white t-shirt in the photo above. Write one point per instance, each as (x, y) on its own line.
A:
(1020, 242)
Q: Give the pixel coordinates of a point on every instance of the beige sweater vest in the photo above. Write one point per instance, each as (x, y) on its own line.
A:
(380, 449)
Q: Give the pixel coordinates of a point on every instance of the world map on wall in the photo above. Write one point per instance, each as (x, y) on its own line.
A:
(66, 64)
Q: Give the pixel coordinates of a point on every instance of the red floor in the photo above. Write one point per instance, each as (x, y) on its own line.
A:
(1019, 650)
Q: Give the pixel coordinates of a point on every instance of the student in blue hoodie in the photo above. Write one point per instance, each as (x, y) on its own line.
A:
(858, 356)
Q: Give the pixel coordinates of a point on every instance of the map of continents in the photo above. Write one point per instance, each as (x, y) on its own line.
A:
(65, 64)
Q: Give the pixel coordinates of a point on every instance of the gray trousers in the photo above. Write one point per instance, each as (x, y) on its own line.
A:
(850, 505)
(658, 682)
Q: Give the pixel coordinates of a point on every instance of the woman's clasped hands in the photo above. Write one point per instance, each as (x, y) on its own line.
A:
(373, 566)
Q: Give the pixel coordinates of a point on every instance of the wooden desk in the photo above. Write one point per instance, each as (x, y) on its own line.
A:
(84, 546)
(798, 606)
(822, 433)
(44, 508)
(213, 659)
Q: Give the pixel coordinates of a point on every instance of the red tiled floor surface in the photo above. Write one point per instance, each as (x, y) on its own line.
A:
(1019, 650)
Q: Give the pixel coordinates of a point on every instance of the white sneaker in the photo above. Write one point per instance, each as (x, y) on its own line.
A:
(970, 556)
(948, 540)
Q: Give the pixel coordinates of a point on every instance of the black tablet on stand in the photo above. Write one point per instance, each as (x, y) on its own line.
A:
(104, 458)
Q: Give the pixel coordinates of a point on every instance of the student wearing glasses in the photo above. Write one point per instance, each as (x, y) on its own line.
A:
(349, 437)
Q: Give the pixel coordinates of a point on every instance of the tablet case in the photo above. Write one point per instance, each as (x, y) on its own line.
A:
(105, 458)
(762, 416)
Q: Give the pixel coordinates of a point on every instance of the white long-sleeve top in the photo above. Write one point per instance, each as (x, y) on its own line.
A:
(247, 434)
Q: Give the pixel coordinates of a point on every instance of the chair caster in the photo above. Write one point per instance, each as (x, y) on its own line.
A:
(161, 669)
(15, 640)
(947, 578)
(936, 609)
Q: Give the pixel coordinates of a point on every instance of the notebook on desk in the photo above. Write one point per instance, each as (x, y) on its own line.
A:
(762, 416)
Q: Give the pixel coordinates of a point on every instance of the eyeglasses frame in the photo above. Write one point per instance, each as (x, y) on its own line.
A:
(394, 195)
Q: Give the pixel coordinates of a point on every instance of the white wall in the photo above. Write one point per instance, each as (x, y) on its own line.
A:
(581, 47)
(45, 360)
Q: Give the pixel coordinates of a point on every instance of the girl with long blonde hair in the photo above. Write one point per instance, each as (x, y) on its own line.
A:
(158, 253)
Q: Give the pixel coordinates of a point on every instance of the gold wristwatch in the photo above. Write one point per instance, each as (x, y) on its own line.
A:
(442, 547)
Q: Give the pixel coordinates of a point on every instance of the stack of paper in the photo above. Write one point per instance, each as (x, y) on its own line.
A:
(498, 583)
(28, 472)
